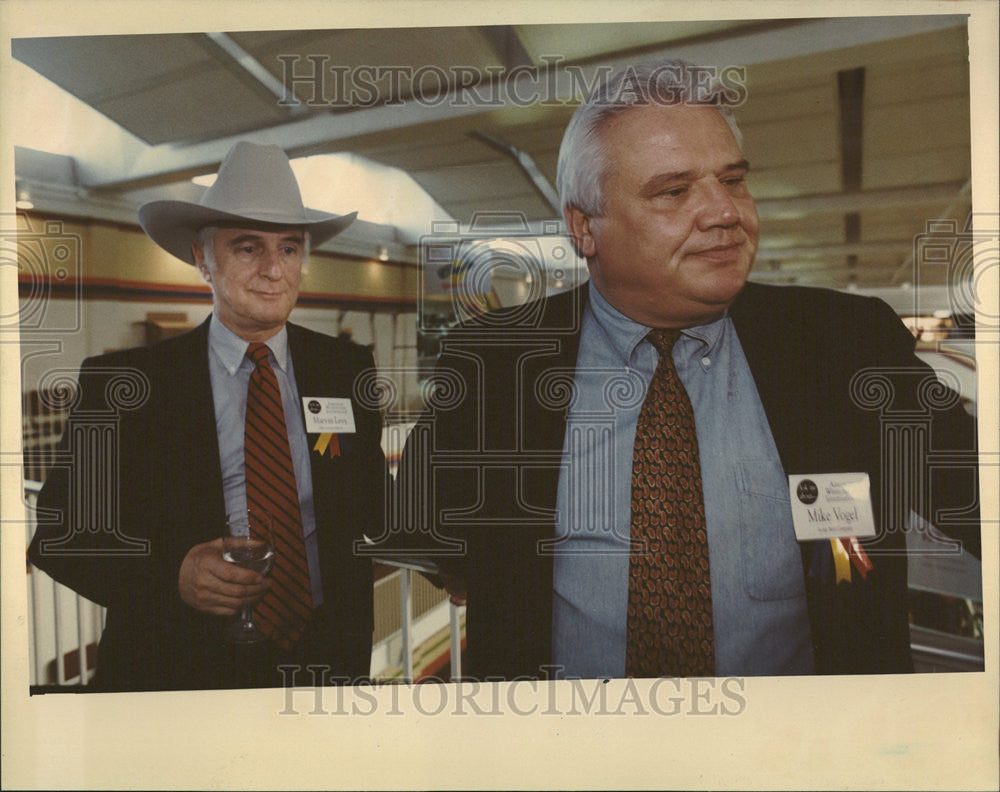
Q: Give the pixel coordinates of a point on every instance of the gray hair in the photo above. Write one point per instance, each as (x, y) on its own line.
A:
(583, 153)
(204, 238)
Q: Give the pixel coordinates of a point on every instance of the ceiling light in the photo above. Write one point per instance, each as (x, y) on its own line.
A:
(23, 198)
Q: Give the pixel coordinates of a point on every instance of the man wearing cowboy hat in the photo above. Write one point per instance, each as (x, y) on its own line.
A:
(138, 530)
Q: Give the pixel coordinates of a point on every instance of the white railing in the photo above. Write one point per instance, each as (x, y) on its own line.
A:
(62, 622)
(406, 569)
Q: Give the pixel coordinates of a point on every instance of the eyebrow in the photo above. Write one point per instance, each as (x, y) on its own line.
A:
(656, 183)
(292, 237)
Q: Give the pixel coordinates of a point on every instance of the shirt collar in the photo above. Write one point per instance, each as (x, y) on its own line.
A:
(231, 349)
(625, 334)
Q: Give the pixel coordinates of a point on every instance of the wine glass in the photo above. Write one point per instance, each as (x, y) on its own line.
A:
(248, 542)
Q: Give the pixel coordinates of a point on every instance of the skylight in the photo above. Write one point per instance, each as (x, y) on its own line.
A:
(52, 120)
(344, 182)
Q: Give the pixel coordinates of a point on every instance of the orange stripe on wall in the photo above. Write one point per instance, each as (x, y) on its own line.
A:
(97, 288)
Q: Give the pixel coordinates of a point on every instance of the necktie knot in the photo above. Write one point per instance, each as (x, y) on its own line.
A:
(257, 352)
(663, 338)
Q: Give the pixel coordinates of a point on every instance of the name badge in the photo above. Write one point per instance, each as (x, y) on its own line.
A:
(328, 414)
(831, 505)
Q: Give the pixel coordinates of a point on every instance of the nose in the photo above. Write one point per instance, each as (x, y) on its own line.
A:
(717, 209)
(269, 264)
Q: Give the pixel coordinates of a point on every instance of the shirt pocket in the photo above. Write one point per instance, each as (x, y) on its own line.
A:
(770, 554)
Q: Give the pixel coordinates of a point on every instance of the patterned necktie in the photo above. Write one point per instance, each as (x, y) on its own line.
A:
(670, 596)
(270, 476)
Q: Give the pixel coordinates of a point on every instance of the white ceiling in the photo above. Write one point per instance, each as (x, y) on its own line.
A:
(829, 216)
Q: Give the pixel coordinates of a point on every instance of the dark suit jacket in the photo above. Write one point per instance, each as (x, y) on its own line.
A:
(490, 452)
(140, 452)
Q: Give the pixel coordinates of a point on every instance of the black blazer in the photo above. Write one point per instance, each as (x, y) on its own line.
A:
(140, 452)
(490, 449)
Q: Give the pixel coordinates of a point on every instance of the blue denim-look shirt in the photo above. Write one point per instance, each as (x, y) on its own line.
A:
(758, 588)
(229, 369)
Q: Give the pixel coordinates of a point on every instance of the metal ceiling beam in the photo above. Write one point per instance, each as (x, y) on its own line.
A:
(249, 65)
(157, 164)
(961, 200)
(507, 45)
(901, 246)
(850, 95)
(528, 167)
(837, 277)
(917, 195)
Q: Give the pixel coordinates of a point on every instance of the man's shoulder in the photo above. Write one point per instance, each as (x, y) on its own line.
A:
(806, 320)
(810, 305)
(810, 296)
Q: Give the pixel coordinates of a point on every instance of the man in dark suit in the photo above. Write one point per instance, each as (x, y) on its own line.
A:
(622, 479)
(156, 455)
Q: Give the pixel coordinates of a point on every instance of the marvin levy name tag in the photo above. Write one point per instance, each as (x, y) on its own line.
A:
(328, 414)
(831, 505)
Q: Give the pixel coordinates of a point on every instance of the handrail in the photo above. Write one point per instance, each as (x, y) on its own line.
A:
(85, 608)
(407, 566)
(81, 610)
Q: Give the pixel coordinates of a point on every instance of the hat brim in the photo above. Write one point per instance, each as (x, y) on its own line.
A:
(173, 225)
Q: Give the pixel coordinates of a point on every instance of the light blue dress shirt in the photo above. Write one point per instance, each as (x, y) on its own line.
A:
(758, 588)
(229, 369)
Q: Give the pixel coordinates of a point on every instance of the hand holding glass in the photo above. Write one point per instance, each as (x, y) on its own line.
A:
(249, 543)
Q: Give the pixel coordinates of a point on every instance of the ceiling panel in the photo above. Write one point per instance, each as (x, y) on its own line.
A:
(182, 89)
(96, 67)
(358, 56)
(193, 108)
(582, 42)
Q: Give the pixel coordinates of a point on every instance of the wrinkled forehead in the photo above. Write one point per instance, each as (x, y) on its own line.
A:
(682, 133)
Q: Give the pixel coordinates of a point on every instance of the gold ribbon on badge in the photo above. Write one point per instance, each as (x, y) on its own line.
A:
(841, 561)
(327, 442)
(846, 551)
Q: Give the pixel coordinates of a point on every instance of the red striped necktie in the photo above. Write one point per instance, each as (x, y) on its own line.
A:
(271, 487)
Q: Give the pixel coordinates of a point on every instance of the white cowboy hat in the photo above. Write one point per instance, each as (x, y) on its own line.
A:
(255, 186)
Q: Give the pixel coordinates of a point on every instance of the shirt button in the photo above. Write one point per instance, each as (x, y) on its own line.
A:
(706, 361)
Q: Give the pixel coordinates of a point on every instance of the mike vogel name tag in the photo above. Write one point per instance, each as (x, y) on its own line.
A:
(831, 505)
(328, 414)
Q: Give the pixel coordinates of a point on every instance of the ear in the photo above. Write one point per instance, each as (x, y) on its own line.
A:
(578, 225)
(199, 262)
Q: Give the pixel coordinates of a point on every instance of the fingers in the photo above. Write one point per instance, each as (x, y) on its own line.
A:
(210, 584)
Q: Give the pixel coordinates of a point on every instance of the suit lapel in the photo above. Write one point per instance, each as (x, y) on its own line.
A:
(545, 426)
(778, 366)
(319, 370)
(563, 317)
(186, 435)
